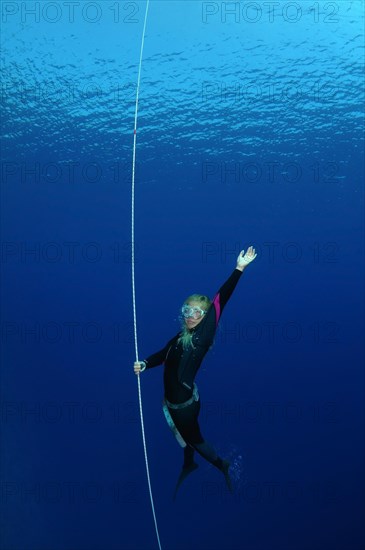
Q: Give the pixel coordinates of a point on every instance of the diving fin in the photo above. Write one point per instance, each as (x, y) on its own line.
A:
(186, 470)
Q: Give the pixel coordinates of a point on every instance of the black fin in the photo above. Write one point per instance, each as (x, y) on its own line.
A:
(183, 475)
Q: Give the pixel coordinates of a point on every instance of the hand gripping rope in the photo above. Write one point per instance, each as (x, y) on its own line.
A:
(133, 281)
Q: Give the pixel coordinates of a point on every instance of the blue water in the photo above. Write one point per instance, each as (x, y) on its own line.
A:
(250, 132)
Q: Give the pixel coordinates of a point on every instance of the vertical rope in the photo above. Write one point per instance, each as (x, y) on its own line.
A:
(133, 278)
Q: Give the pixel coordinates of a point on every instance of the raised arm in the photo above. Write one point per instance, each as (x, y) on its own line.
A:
(209, 324)
(225, 292)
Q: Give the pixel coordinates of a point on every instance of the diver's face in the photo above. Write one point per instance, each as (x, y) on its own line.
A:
(192, 321)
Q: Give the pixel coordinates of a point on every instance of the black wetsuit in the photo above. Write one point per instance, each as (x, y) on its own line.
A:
(181, 367)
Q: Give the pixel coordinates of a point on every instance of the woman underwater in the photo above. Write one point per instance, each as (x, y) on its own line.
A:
(182, 357)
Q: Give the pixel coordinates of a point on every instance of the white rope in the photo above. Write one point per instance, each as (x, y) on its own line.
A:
(133, 280)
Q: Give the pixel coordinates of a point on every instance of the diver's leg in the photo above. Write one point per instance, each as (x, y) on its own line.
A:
(223, 466)
(187, 423)
(184, 421)
(188, 467)
(209, 453)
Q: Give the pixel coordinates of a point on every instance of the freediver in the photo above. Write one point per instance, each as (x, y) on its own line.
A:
(182, 357)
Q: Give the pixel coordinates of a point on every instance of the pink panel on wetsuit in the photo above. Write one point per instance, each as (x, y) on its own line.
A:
(217, 307)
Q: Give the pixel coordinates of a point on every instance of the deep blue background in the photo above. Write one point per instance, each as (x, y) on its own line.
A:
(250, 132)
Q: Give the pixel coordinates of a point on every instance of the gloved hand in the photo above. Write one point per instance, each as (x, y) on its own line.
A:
(139, 366)
(244, 259)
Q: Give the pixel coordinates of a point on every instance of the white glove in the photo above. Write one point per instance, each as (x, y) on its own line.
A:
(244, 259)
(139, 366)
